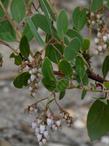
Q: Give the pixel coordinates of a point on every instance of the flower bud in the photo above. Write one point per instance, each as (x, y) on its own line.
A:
(105, 38)
(33, 77)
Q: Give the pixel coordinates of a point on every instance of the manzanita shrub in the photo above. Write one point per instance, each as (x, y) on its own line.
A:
(62, 61)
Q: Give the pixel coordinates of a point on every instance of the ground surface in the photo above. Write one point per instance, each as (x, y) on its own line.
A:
(14, 126)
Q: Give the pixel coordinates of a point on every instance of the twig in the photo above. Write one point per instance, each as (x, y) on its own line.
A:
(96, 77)
(91, 75)
(10, 47)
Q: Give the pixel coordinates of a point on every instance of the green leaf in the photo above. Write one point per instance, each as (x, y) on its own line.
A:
(21, 80)
(5, 2)
(49, 83)
(48, 9)
(66, 40)
(106, 85)
(24, 47)
(38, 21)
(73, 33)
(72, 50)
(61, 95)
(42, 22)
(96, 5)
(98, 120)
(18, 58)
(44, 7)
(18, 10)
(1, 12)
(62, 85)
(7, 32)
(35, 32)
(80, 68)
(106, 3)
(79, 18)
(65, 67)
(48, 80)
(62, 24)
(85, 79)
(54, 52)
(27, 32)
(84, 92)
(86, 44)
(47, 69)
(105, 66)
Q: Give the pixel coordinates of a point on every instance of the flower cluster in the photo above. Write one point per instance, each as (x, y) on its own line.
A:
(32, 65)
(95, 21)
(68, 119)
(44, 121)
(101, 41)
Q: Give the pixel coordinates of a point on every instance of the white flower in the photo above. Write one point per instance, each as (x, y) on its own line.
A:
(44, 141)
(108, 36)
(35, 84)
(105, 38)
(27, 68)
(42, 128)
(99, 48)
(96, 40)
(96, 52)
(39, 137)
(49, 122)
(34, 70)
(58, 123)
(93, 22)
(39, 121)
(100, 21)
(29, 81)
(92, 14)
(54, 127)
(30, 88)
(30, 71)
(99, 34)
(104, 46)
(30, 58)
(98, 16)
(33, 77)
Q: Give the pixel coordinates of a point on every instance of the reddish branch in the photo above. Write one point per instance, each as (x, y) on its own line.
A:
(91, 75)
(95, 77)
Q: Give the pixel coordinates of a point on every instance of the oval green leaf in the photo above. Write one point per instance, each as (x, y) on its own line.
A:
(72, 50)
(7, 32)
(18, 10)
(62, 24)
(21, 80)
(65, 67)
(24, 47)
(98, 120)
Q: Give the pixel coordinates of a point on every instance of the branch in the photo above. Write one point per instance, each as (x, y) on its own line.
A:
(91, 75)
(10, 47)
(95, 77)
